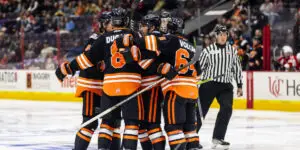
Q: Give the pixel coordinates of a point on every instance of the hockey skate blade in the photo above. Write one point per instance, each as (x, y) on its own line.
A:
(219, 147)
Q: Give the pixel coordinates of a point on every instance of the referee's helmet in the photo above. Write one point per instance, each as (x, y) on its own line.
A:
(221, 29)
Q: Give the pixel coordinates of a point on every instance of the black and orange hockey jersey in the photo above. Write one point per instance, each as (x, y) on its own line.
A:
(178, 53)
(120, 78)
(155, 42)
(90, 79)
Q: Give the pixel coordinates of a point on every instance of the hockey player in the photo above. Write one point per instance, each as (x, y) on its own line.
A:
(89, 87)
(150, 134)
(121, 79)
(180, 90)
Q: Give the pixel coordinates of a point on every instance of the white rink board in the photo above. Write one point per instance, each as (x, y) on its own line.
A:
(35, 81)
(277, 86)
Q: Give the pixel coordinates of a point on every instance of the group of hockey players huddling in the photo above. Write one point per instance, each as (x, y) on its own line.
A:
(117, 63)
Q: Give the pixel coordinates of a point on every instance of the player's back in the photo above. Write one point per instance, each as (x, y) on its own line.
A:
(152, 42)
(91, 78)
(120, 78)
(178, 53)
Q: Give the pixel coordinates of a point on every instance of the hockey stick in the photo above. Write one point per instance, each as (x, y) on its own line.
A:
(193, 60)
(198, 101)
(134, 6)
(159, 5)
(209, 79)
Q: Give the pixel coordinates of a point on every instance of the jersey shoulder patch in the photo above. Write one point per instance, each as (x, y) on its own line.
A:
(94, 36)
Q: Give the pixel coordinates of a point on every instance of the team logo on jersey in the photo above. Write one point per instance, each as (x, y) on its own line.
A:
(118, 90)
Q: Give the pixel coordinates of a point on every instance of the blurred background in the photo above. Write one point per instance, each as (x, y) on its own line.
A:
(37, 34)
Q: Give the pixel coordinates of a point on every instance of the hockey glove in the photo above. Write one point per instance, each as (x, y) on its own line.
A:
(132, 54)
(167, 71)
(62, 71)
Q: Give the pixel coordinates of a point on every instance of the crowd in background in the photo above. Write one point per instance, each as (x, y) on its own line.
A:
(246, 32)
(52, 28)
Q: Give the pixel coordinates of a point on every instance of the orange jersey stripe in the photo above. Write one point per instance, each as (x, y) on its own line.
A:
(101, 135)
(192, 139)
(177, 142)
(91, 103)
(130, 137)
(139, 108)
(169, 108)
(158, 140)
(87, 104)
(144, 139)
(107, 127)
(131, 127)
(173, 109)
(87, 130)
(155, 104)
(154, 130)
(83, 137)
(174, 132)
(151, 102)
(117, 135)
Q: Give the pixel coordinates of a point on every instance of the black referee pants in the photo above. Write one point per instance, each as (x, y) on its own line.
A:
(223, 92)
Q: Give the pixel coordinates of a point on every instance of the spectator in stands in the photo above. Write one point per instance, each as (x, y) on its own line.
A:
(29, 53)
(79, 10)
(258, 35)
(60, 10)
(70, 25)
(3, 61)
(255, 57)
(68, 9)
(296, 31)
(267, 8)
(92, 8)
(298, 62)
(278, 6)
(243, 50)
(49, 63)
(282, 62)
(47, 50)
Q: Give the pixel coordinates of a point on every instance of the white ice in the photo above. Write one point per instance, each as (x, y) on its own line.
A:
(33, 125)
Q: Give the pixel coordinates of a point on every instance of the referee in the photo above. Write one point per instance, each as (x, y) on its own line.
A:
(219, 62)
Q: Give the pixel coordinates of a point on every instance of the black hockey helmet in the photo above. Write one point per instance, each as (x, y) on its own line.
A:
(105, 17)
(165, 14)
(119, 17)
(221, 29)
(176, 26)
(165, 17)
(151, 20)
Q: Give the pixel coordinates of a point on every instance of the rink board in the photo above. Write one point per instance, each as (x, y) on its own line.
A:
(262, 90)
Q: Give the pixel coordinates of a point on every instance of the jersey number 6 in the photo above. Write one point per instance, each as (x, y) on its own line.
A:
(117, 59)
(181, 60)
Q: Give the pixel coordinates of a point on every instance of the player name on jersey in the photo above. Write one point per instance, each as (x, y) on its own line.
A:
(110, 39)
(186, 45)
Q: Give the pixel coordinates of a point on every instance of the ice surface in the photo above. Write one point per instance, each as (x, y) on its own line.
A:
(34, 125)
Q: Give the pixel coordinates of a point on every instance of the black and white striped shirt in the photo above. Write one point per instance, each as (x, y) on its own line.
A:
(217, 60)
